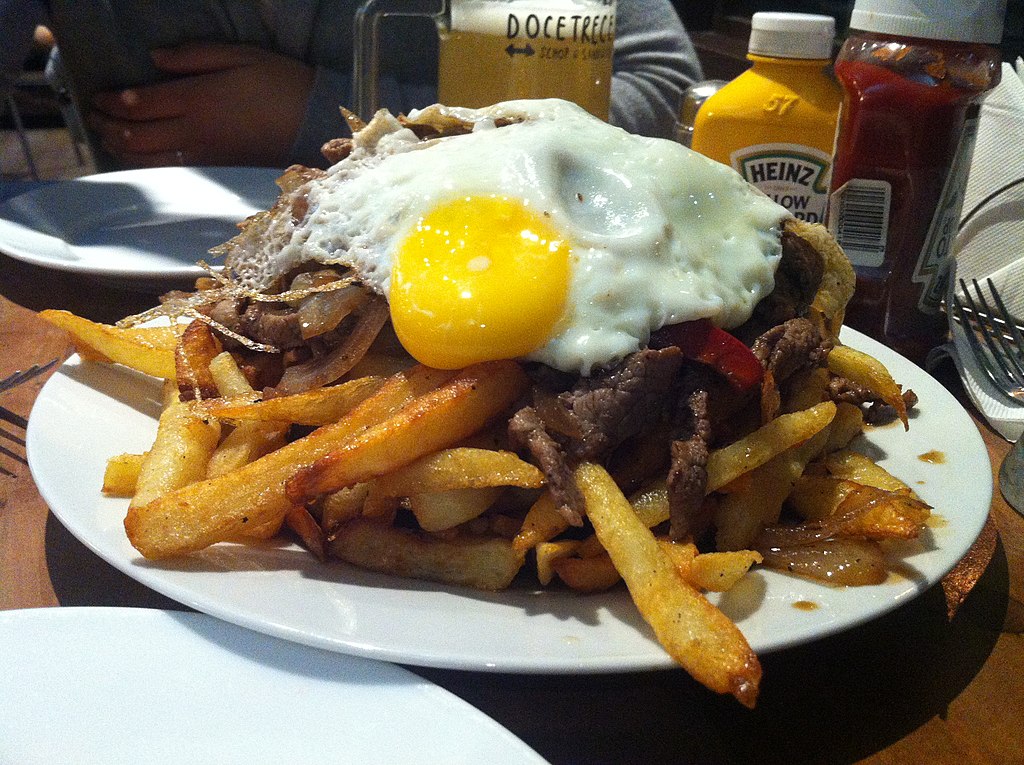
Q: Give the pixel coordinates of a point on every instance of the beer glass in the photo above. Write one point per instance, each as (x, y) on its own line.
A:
(498, 50)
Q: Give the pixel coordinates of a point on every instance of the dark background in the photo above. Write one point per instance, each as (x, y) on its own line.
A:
(720, 28)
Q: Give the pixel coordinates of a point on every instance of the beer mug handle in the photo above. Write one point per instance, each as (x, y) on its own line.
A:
(366, 45)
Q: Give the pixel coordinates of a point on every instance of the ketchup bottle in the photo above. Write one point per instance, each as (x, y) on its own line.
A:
(913, 74)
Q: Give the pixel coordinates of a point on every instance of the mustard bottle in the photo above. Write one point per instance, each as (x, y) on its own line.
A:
(775, 124)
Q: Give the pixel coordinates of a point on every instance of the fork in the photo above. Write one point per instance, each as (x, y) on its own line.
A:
(17, 378)
(17, 420)
(999, 354)
(6, 452)
(993, 336)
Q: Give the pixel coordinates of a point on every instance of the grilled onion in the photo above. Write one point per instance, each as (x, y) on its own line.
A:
(318, 372)
(836, 561)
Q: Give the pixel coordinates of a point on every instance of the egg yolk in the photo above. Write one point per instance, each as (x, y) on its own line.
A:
(478, 279)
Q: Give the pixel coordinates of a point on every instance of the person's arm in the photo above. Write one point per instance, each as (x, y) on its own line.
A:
(18, 21)
(224, 104)
(654, 63)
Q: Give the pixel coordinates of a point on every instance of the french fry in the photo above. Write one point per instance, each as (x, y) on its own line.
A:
(484, 563)
(460, 468)
(741, 515)
(806, 390)
(720, 571)
(681, 554)
(879, 513)
(695, 633)
(342, 506)
(594, 574)
(730, 462)
(122, 474)
(149, 352)
(816, 497)
(549, 552)
(591, 547)
(870, 373)
(441, 510)
(320, 406)
(302, 523)
(228, 378)
(380, 507)
(542, 522)
(846, 426)
(651, 504)
(253, 534)
(246, 443)
(838, 280)
(434, 421)
(179, 455)
(164, 336)
(196, 349)
(221, 508)
(249, 440)
(847, 463)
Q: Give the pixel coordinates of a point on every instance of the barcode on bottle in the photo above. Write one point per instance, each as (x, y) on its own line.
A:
(860, 219)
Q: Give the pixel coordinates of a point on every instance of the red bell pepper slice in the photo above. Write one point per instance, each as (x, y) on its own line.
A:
(702, 341)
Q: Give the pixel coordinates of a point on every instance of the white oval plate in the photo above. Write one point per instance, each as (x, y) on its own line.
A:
(126, 685)
(134, 224)
(88, 412)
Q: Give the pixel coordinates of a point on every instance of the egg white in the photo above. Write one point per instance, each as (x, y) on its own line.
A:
(659, 234)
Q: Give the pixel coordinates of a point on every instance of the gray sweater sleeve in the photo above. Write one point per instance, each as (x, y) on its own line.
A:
(654, 63)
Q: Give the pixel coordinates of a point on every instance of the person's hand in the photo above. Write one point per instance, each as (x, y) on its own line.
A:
(221, 105)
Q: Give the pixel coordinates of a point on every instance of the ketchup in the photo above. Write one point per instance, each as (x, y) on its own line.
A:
(903, 148)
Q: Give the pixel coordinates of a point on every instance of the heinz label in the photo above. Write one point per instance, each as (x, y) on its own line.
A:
(794, 176)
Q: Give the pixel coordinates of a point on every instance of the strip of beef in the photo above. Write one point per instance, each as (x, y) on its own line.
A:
(527, 430)
(731, 412)
(611, 406)
(688, 474)
(337, 149)
(268, 323)
(797, 280)
(877, 411)
(598, 413)
(791, 346)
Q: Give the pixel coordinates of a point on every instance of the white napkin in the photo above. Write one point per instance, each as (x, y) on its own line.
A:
(990, 243)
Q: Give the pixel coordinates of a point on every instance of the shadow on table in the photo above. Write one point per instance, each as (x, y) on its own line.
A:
(81, 578)
(833, 702)
(38, 288)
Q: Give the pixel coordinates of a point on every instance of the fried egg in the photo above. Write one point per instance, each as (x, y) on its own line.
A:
(557, 238)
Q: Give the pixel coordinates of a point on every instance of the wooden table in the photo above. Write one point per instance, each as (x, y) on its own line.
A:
(911, 687)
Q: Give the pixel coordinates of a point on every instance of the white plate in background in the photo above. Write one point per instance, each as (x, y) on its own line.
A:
(134, 224)
(87, 412)
(113, 686)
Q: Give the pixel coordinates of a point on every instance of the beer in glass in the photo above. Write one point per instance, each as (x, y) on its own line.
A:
(499, 50)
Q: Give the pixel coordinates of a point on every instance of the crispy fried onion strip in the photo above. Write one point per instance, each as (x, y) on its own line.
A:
(189, 305)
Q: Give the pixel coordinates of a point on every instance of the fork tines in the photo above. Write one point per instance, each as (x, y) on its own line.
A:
(994, 337)
(12, 438)
(22, 376)
(7, 416)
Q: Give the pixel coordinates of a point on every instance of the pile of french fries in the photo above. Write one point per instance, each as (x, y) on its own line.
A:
(407, 474)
